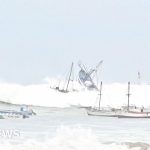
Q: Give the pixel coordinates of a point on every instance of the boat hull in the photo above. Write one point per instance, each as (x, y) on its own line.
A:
(134, 115)
(12, 114)
(102, 113)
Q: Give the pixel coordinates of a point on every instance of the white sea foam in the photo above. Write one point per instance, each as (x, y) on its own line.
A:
(96, 133)
(42, 95)
(71, 138)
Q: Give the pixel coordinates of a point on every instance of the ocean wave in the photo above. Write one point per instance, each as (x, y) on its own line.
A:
(72, 138)
(42, 95)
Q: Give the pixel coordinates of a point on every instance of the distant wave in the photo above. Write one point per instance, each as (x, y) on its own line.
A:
(3, 102)
(42, 95)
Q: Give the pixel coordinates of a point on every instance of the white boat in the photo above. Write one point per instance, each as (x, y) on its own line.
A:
(133, 112)
(134, 115)
(105, 112)
(127, 112)
(13, 114)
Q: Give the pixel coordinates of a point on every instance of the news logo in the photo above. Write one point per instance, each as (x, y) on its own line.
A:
(9, 133)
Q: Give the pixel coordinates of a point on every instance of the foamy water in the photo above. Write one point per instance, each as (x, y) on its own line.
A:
(42, 95)
(73, 129)
(72, 139)
(61, 127)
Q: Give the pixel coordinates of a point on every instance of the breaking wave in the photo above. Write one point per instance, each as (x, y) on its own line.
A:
(72, 138)
(42, 95)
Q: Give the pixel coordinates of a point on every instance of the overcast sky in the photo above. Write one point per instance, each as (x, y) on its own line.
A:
(40, 38)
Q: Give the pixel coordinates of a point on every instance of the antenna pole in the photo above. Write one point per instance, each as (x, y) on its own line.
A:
(100, 95)
(139, 78)
(128, 95)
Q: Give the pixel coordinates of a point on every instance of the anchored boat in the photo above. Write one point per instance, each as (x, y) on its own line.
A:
(133, 113)
(109, 112)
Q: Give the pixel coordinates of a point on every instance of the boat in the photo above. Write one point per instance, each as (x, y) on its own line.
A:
(86, 76)
(125, 112)
(105, 112)
(131, 114)
(102, 113)
(80, 106)
(64, 90)
(135, 112)
(14, 114)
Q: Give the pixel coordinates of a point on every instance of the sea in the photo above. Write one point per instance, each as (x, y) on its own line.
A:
(62, 122)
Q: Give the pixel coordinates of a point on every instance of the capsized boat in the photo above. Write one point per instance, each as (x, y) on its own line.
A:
(86, 76)
(65, 90)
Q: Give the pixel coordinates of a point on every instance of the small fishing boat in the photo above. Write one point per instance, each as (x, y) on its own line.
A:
(105, 112)
(133, 113)
(14, 114)
(102, 113)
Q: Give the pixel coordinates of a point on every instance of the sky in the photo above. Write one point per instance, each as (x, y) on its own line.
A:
(40, 38)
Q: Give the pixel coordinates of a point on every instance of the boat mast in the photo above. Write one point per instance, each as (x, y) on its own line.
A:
(100, 95)
(96, 70)
(69, 77)
(128, 95)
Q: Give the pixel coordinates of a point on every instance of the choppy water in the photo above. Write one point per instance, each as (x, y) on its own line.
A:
(72, 129)
(61, 127)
